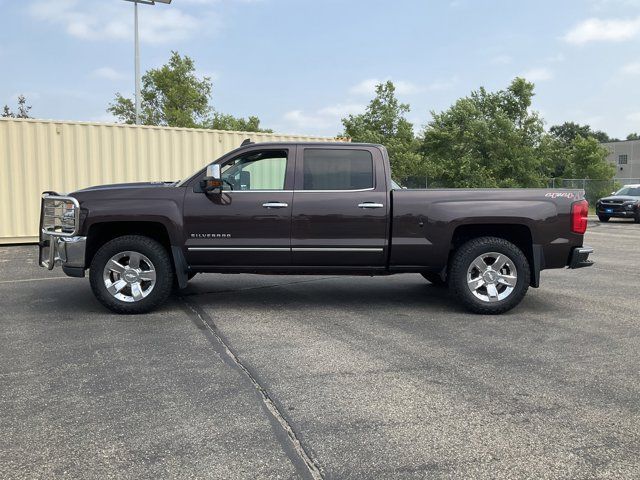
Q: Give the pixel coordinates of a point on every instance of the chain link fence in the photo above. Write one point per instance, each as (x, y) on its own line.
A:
(594, 189)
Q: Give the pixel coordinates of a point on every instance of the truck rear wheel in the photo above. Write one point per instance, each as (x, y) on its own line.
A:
(131, 274)
(489, 275)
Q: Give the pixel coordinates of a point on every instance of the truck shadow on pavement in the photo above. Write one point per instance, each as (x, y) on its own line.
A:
(328, 293)
(403, 294)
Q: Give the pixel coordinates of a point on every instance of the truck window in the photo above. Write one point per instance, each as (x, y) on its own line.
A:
(257, 171)
(337, 169)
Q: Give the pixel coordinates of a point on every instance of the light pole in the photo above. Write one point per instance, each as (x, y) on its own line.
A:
(137, 49)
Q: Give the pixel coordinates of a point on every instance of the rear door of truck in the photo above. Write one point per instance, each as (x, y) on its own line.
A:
(340, 207)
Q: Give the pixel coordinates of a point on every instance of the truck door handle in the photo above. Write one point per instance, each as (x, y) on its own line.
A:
(370, 205)
(275, 205)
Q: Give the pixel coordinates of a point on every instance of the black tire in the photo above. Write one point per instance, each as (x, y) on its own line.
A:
(603, 218)
(636, 217)
(434, 278)
(146, 246)
(462, 261)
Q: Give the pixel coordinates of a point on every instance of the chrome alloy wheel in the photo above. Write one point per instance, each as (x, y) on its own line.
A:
(129, 276)
(492, 276)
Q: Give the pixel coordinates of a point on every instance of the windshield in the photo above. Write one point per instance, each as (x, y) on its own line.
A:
(630, 191)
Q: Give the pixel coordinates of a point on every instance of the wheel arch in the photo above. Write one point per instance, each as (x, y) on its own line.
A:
(103, 232)
(518, 234)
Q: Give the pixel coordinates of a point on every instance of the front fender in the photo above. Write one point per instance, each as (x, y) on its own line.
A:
(163, 206)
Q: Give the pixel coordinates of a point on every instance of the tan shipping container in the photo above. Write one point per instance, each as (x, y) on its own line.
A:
(39, 155)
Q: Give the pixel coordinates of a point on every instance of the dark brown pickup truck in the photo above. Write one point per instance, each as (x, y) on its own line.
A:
(310, 208)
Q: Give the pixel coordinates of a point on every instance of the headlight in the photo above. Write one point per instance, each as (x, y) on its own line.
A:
(60, 216)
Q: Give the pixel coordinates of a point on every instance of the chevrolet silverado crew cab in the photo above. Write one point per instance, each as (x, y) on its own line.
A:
(309, 208)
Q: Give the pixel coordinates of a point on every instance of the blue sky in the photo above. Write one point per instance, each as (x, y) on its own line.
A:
(302, 65)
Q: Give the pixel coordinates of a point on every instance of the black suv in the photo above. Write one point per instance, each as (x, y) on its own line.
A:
(625, 203)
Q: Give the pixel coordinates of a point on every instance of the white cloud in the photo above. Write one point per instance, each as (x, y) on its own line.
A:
(365, 87)
(326, 120)
(322, 120)
(537, 74)
(108, 73)
(341, 110)
(302, 122)
(595, 29)
(368, 87)
(406, 88)
(113, 20)
(631, 68)
(634, 117)
(168, 25)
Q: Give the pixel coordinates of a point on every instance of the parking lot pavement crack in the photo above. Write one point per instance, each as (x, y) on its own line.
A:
(295, 449)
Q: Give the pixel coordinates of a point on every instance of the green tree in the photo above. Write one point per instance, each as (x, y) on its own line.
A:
(586, 158)
(575, 152)
(23, 109)
(174, 96)
(221, 121)
(384, 122)
(633, 136)
(568, 131)
(489, 139)
(602, 137)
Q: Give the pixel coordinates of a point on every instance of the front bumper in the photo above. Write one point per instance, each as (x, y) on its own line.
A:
(69, 252)
(616, 212)
(59, 242)
(580, 257)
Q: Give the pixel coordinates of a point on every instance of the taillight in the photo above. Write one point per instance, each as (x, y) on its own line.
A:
(579, 213)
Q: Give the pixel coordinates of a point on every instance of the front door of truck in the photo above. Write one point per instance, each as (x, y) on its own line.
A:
(340, 207)
(249, 222)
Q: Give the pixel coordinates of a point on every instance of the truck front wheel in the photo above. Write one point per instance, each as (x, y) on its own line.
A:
(489, 275)
(131, 274)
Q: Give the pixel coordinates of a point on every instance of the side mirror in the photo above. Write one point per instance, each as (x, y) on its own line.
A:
(245, 180)
(613, 193)
(212, 182)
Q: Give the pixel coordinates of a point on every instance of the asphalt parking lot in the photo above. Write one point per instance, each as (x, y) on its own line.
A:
(323, 377)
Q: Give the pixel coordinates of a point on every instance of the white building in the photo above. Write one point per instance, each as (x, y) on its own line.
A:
(626, 157)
